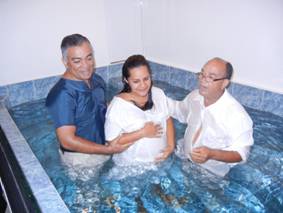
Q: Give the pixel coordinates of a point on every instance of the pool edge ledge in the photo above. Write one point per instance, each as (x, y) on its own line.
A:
(37, 179)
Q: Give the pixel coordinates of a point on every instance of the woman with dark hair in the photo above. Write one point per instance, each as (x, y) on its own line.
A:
(135, 111)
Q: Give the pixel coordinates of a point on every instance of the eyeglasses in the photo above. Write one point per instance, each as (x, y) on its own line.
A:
(208, 79)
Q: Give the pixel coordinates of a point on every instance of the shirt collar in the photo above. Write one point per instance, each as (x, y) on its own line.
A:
(220, 103)
(78, 85)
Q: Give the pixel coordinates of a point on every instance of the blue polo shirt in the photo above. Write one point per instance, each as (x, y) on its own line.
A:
(73, 103)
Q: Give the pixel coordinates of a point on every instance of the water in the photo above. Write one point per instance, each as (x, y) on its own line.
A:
(171, 186)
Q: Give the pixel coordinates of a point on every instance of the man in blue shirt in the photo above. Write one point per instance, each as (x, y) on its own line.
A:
(77, 105)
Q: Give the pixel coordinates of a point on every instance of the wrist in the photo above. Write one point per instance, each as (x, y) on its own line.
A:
(211, 153)
(141, 133)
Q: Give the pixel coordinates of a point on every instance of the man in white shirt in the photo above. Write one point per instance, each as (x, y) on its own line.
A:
(219, 132)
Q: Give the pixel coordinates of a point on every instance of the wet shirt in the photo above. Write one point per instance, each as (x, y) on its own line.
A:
(73, 103)
(124, 117)
(224, 125)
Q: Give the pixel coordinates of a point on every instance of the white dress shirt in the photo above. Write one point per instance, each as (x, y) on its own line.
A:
(224, 125)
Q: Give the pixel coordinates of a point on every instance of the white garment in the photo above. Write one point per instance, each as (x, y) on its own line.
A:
(124, 117)
(225, 125)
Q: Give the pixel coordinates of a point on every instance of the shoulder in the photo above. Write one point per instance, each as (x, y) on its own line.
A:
(98, 81)
(116, 107)
(193, 96)
(157, 92)
(235, 113)
(59, 92)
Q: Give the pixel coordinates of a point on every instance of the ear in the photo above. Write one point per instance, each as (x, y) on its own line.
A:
(64, 62)
(225, 83)
(125, 80)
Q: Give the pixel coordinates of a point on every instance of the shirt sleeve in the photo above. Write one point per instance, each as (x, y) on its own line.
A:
(241, 132)
(61, 107)
(242, 145)
(179, 109)
(160, 100)
(112, 128)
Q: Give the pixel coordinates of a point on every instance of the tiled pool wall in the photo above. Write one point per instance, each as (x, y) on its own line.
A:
(263, 100)
(44, 191)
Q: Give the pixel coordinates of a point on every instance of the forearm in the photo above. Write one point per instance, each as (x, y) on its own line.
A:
(225, 156)
(131, 137)
(170, 134)
(82, 145)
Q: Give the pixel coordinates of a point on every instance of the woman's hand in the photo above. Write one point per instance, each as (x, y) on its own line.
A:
(164, 154)
(151, 130)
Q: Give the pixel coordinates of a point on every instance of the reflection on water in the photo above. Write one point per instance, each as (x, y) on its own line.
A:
(172, 186)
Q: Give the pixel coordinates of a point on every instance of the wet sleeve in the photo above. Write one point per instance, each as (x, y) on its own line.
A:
(241, 133)
(62, 109)
(112, 129)
(179, 109)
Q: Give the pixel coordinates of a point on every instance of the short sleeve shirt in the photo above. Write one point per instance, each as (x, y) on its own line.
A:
(73, 103)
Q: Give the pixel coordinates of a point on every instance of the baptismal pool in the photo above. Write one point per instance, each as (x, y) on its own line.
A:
(171, 186)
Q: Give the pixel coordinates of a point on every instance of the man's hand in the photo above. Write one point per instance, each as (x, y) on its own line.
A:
(116, 147)
(201, 154)
(151, 130)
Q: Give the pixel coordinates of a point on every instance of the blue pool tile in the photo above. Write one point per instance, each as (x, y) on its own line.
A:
(103, 72)
(192, 81)
(115, 70)
(3, 91)
(160, 72)
(182, 78)
(248, 96)
(20, 93)
(230, 88)
(273, 102)
(4, 95)
(115, 83)
(42, 86)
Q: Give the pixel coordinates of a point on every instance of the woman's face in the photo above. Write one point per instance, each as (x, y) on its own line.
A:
(139, 81)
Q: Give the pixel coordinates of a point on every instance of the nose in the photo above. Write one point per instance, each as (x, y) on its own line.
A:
(143, 85)
(86, 63)
(203, 80)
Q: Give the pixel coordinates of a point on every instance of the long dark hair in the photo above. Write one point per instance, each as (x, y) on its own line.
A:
(133, 62)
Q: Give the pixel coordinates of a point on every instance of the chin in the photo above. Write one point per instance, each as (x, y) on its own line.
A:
(142, 94)
(86, 76)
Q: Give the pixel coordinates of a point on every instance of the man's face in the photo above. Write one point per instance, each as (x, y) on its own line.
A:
(209, 88)
(80, 61)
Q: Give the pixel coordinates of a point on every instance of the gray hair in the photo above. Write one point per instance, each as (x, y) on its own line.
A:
(71, 41)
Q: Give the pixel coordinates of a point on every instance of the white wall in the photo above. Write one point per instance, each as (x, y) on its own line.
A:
(32, 30)
(123, 24)
(181, 33)
(186, 33)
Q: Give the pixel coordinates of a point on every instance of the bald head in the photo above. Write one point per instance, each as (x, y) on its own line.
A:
(223, 67)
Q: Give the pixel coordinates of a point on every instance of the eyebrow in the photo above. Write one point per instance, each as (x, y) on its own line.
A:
(79, 58)
(210, 74)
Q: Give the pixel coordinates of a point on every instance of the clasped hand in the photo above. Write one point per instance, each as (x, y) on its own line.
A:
(201, 154)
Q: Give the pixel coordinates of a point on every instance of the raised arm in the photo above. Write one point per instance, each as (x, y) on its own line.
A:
(178, 109)
(68, 140)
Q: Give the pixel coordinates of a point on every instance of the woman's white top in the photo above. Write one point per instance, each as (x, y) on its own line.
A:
(124, 117)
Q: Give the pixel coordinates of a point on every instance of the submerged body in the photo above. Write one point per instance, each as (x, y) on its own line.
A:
(224, 125)
(124, 117)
